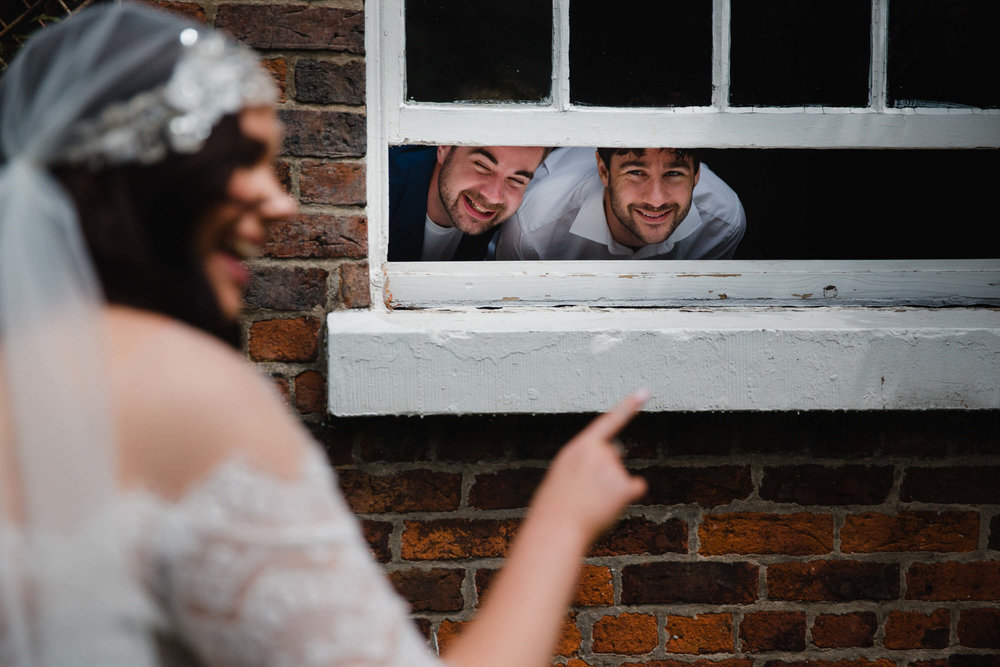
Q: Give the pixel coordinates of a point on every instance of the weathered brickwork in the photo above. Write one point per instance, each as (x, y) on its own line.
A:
(766, 540)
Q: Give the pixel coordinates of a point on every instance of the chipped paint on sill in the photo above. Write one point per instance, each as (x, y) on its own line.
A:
(709, 275)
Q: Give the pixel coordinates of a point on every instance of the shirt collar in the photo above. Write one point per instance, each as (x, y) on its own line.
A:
(591, 224)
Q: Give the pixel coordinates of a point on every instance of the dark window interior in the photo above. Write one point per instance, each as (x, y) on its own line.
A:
(486, 50)
(944, 53)
(800, 52)
(864, 204)
(641, 53)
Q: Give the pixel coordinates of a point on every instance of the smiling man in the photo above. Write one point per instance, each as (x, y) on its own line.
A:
(445, 200)
(633, 203)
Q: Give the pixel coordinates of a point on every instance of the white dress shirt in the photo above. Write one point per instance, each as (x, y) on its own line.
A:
(562, 217)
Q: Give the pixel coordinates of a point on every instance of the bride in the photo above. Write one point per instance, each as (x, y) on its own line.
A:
(158, 504)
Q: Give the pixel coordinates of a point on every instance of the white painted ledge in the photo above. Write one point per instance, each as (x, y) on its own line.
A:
(553, 361)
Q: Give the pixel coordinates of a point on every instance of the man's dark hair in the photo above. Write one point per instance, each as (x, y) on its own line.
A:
(140, 222)
(682, 153)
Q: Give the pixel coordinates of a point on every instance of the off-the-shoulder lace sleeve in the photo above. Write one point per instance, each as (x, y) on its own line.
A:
(254, 570)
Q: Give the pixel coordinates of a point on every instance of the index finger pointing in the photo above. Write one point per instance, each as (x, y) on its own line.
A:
(615, 419)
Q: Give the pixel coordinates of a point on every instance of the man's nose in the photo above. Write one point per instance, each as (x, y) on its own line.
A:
(657, 193)
(493, 189)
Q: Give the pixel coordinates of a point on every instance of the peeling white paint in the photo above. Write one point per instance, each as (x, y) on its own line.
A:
(538, 361)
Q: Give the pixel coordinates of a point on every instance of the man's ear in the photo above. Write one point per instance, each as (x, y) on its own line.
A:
(443, 153)
(602, 169)
(697, 174)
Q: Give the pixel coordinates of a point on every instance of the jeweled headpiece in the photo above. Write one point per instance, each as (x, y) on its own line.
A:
(212, 78)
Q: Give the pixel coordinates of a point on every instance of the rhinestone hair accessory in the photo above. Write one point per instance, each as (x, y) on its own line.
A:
(212, 78)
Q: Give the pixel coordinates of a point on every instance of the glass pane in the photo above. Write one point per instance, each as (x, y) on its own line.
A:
(800, 53)
(943, 53)
(796, 204)
(863, 204)
(642, 53)
(487, 50)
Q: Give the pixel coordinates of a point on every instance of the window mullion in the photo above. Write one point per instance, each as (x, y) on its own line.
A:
(560, 54)
(720, 54)
(879, 55)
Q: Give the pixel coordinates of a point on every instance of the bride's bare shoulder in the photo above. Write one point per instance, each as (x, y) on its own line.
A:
(186, 401)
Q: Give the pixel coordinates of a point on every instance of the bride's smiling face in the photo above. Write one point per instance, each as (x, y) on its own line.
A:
(233, 231)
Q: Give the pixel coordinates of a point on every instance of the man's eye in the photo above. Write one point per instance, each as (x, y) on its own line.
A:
(518, 183)
(635, 172)
(483, 167)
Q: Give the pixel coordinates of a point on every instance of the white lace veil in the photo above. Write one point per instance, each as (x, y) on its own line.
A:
(112, 85)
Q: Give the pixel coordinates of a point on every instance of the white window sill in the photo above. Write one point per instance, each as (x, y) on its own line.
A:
(538, 360)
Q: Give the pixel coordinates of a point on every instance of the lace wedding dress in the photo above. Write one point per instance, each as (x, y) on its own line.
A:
(249, 569)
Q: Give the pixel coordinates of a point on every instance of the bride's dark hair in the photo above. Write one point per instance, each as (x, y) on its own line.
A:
(139, 222)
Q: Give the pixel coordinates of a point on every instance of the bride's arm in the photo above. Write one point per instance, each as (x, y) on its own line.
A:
(584, 492)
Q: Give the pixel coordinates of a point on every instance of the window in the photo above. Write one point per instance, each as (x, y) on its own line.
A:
(734, 74)
(736, 89)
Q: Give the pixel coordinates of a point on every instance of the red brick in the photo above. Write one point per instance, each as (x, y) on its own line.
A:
(827, 485)
(310, 392)
(850, 630)
(952, 484)
(832, 581)
(848, 662)
(338, 183)
(979, 628)
(995, 533)
(703, 633)
(729, 662)
(336, 442)
(447, 632)
(762, 631)
(449, 539)
(278, 68)
(569, 637)
(328, 134)
(294, 26)
(953, 581)
(325, 82)
(505, 489)
(392, 439)
(318, 235)
(758, 533)
(187, 9)
(639, 535)
(708, 486)
(594, 587)
(377, 534)
(701, 583)
(283, 170)
(914, 629)
(355, 285)
(408, 491)
(438, 589)
(625, 634)
(286, 288)
(423, 627)
(910, 531)
(295, 339)
(473, 437)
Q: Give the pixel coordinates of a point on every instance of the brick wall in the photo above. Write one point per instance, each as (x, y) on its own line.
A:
(765, 539)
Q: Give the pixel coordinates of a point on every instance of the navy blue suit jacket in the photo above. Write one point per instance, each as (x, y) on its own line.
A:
(410, 169)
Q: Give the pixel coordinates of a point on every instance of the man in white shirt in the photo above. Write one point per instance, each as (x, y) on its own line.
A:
(628, 203)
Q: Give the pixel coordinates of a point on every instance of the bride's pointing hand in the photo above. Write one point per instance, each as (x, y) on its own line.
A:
(587, 484)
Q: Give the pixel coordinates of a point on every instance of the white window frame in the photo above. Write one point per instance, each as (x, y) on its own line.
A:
(525, 290)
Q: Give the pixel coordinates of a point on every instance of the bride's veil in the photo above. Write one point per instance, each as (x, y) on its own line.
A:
(67, 593)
